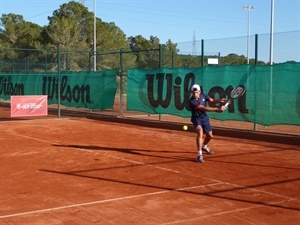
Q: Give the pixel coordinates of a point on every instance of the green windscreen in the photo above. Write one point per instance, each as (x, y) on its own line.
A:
(272, 92)
(92, 90)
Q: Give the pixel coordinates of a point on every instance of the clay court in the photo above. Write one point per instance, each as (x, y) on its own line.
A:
(108, 170)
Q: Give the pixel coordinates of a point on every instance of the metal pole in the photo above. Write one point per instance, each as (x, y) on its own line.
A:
(248, 8)
(58, 82)
(173, 56)
(248, 39)
(121, 83)
(160, 56)
(271, 32)
(255, 81)
(271, 53)
(160, 66)
(95, 58)
(202, 52)
(256, 49)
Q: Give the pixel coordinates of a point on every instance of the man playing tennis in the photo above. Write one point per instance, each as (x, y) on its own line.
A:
(200, 120)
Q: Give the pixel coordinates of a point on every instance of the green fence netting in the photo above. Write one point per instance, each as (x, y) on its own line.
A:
(272, 92)
(92, 90)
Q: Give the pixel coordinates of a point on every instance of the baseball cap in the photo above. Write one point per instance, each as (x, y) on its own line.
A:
(195, 87)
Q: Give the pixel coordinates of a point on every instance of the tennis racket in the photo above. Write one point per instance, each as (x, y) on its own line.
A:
(235, 93)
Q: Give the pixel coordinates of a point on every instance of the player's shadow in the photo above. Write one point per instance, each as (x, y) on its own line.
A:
(141, 152)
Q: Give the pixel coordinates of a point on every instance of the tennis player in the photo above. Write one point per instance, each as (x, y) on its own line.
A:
(198, 105)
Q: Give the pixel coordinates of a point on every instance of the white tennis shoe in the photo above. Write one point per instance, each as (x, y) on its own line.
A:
(208, 150)
(200, 159)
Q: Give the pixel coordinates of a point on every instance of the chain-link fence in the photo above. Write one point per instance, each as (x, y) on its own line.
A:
(286, 48)
(194, 54)
(227, 51)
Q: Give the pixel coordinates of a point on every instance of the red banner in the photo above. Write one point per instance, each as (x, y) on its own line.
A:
(28, 105)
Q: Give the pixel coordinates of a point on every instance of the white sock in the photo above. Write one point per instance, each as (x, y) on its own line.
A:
(199, 152)
(204, 146)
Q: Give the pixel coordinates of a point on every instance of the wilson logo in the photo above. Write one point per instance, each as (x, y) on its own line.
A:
(161, 90)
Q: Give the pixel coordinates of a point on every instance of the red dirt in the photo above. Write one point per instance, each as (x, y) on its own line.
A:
(111, 170)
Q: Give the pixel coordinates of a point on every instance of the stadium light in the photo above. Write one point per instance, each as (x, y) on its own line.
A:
(248, 8)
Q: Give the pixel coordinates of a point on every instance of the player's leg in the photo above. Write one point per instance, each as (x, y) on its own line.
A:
(199, 137)
(208, 136)
(199, 143)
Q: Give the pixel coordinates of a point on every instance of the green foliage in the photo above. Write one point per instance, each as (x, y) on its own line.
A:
(234, 59)
(18, 33)
(146, 51)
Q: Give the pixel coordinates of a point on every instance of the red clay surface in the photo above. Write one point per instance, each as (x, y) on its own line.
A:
(114, 171)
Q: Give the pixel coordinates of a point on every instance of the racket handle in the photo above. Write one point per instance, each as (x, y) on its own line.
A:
(226, 105)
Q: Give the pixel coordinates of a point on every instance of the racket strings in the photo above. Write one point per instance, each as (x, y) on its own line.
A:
(237, 92)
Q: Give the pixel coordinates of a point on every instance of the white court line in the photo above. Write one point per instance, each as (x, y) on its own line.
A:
(223, 213)
(103, 201)
(214, 180)
(36, 139)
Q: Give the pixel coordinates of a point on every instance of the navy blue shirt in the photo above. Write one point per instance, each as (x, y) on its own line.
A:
(196, 113)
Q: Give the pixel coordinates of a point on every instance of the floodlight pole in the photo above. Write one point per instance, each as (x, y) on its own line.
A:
(271, 32)
(248, 8)
(95, 50)
(271, 53)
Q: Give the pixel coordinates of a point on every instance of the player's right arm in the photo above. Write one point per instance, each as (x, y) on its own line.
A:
(210, 109)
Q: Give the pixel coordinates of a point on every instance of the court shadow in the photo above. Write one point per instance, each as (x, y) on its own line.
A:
(142, 152)
(216, 194)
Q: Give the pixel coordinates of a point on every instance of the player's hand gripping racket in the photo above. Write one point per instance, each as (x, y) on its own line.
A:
(235, 93)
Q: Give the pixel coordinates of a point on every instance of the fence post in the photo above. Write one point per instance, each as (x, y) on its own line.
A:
(90, 63)
(173, 56)
(202, 52)
(58, 82)
(160, 66)
(121, 83)
(160, 56)
(46, 66)
(27, 64)
(256, 49)
(256, 60)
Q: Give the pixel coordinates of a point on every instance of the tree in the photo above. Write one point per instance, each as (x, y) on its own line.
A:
(70, 26)
(110, 39)
(17, 33)
(146, 51)
(233, 59)
(21, 36)
(170, 52)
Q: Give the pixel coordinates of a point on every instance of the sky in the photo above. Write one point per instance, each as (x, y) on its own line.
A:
(177, 20)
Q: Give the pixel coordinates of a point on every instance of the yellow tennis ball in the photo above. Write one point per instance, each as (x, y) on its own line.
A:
(185, 127)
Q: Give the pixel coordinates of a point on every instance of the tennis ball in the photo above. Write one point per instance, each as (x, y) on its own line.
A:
(185, 127)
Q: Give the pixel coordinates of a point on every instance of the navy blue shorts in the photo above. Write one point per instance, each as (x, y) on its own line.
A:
(204, 123)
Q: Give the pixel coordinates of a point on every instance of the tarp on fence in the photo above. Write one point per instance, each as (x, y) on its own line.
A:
(272, 92)
(92, 90)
